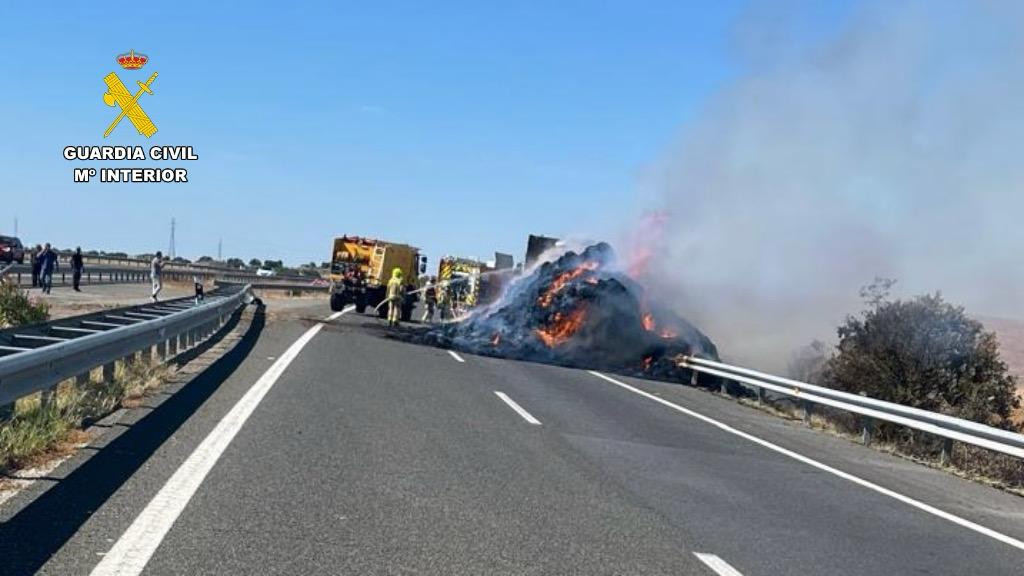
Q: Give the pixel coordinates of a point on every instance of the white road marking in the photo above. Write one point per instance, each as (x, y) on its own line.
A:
(456, 356)
(826, 468)
(132, 551)
(721, 567)
(519, 409)
(337, 314)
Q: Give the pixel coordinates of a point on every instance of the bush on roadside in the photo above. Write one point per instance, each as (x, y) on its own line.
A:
(925, 353)
(18, 309)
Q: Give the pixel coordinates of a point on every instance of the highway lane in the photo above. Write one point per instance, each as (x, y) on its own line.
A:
(375, 456)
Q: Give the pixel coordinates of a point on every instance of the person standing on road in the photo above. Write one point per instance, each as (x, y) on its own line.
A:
(76, 268)
(156, 270)
(430, 299)
(35, 265)
(396, 294)
(199, 289)
(47, 264)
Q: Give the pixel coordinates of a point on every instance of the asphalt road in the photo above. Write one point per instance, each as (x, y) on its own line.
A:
(369, 455)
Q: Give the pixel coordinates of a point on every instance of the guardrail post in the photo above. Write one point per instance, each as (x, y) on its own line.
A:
(760, 395)
(161, 350)
(693, 377)
(82, 379)
(172, 346)
(947, 451)
(808, 411)
(867, 428)
(108, 371)
(49, 396)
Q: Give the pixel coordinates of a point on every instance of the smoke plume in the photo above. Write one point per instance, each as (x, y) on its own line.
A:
(888, 145)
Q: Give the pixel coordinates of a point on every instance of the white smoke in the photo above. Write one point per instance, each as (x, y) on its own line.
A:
(888, 147)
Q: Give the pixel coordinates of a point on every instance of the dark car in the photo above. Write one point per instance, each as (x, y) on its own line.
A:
(11, 250)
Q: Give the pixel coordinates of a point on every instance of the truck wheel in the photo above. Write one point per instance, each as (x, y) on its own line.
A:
(336, 302)
(406, 313)
(361, 303)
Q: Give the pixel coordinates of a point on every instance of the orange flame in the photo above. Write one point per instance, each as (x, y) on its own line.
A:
(496, 340)
(562, 280)
(562, 327)
(647, 363)
(649, 322)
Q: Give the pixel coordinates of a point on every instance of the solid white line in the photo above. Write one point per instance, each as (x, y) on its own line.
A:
(133, 550)
(721, 567)
(456, 356)
(519, 409)
(826, 468)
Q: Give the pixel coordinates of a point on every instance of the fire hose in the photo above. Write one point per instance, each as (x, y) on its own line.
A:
(418, 290)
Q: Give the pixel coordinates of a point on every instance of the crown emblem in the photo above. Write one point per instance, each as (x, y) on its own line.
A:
(132, 61)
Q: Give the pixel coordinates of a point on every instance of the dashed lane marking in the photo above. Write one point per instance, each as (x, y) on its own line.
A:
(721, 567)
(519, 409)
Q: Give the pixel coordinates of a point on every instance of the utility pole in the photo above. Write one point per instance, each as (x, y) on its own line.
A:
(15, 225)
(170, 249)
(220, 244)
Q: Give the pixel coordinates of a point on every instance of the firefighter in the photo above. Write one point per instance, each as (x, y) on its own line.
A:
(430, 299)
(396, 294)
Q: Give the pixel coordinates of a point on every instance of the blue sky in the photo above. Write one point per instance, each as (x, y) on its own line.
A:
(456, 126)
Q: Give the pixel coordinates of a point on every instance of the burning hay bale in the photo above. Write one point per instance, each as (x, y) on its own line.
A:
(579, 311)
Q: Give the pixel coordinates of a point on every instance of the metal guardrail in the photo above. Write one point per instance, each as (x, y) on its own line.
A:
(37, 358)
(872, 409)
(265, 284)
(111, 274)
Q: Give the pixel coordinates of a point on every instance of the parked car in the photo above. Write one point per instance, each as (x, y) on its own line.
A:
(11, 250)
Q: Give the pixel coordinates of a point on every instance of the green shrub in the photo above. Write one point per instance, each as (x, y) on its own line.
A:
(17, 308)
(925, 353)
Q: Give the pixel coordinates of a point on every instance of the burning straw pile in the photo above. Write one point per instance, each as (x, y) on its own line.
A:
(579, 311)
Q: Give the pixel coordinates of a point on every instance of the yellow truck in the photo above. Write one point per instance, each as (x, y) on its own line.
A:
(465, 283)
(361, 268)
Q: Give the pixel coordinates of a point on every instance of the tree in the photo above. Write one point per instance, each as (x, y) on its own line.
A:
(255, 263)
(925, 353)
(235, 263)
(205, 259)
(273, 264)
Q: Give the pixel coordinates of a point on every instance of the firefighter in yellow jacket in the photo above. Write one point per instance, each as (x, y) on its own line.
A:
(395, 297)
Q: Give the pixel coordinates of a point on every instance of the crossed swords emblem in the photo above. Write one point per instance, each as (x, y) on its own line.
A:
(117, 94)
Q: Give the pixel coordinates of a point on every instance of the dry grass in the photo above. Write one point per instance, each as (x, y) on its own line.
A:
(42, 430)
